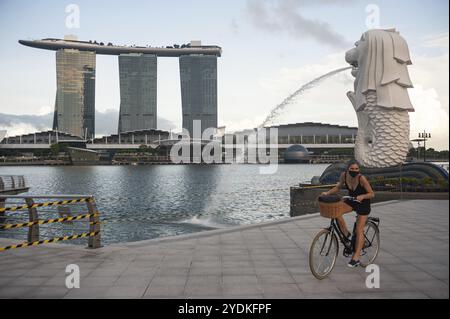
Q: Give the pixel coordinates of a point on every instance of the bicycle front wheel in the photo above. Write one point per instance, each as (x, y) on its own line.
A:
(371, 244)
(323, 254)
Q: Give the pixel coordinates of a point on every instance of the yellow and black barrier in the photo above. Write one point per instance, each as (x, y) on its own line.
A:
(62, 202)
(48, 241)
(92, 215)
(49, 221)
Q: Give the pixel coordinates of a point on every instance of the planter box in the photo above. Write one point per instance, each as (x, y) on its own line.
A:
(304, 201)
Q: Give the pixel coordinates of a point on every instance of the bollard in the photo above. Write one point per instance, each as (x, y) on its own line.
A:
(33, 231)
(2, 205)
(94, 241)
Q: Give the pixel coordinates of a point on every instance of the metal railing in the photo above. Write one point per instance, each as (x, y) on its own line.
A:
(47, 216)
(11, 182)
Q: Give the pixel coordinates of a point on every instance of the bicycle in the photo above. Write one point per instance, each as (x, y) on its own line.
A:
(325, 246)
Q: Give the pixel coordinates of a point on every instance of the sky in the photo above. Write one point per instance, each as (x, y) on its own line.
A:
(269, 50)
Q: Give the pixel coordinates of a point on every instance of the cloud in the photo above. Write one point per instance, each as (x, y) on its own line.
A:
(326, 103)
(165, 124)
(234, 26)
(22, 124)
(430, 96)
(105, 123)
(19, 128)
(436, 41)
(432, 71)
(284, 16)
(242, 124)
(430, 116)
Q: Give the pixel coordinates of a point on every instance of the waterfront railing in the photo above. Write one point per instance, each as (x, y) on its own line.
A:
(49, 219)
(11, 182)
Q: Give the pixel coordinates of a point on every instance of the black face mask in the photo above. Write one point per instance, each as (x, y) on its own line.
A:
(353, 173)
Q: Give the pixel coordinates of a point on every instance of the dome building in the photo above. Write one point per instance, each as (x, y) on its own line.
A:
(297, 154)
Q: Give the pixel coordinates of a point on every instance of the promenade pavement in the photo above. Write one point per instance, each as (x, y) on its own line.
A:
(268, 260)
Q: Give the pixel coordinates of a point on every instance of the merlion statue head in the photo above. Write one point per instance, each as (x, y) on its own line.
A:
(380, 62)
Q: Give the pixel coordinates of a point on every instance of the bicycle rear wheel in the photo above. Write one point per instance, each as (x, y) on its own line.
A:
(371, 244)
(323, 254)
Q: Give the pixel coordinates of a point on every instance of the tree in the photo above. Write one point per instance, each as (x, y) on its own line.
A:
(142, 148)
(56, 148)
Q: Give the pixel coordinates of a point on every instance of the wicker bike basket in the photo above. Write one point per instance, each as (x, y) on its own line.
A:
(334, 210)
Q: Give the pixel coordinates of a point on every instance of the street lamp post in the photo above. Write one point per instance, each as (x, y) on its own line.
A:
(424, 136)
(418, 140)
(418, 149)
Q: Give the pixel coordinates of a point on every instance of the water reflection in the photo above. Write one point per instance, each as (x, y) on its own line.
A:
(143, 202)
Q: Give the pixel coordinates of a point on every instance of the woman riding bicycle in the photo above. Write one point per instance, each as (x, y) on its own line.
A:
(359, 188)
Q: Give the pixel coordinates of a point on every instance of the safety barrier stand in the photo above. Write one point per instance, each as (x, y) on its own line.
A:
(62, 202)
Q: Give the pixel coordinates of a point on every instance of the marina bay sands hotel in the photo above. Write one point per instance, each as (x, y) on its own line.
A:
(75, 94)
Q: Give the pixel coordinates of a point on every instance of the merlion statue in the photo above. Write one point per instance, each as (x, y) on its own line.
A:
(380, 62)
(381, 101)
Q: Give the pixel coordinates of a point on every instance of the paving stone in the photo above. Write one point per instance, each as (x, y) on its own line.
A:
(15, 292)
(240, 279)
(205, 271)
(168, 280)
(203, 279)
(47, 292)
(238, 271)
(133, 281)
(87, 293)
(202, 290)
(30, 281)
(276, 279)
(118, 291)
(260, 262)
(281, 291)
(241, 289)
(95, 281)
(164, 291)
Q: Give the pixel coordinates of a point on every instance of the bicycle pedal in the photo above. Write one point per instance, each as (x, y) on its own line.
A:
(346, 253)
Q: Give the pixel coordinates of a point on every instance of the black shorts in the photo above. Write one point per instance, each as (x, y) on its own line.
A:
(362, 208)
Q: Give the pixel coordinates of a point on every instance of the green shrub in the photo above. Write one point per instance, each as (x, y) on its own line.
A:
(443, 183)
(427, 181)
